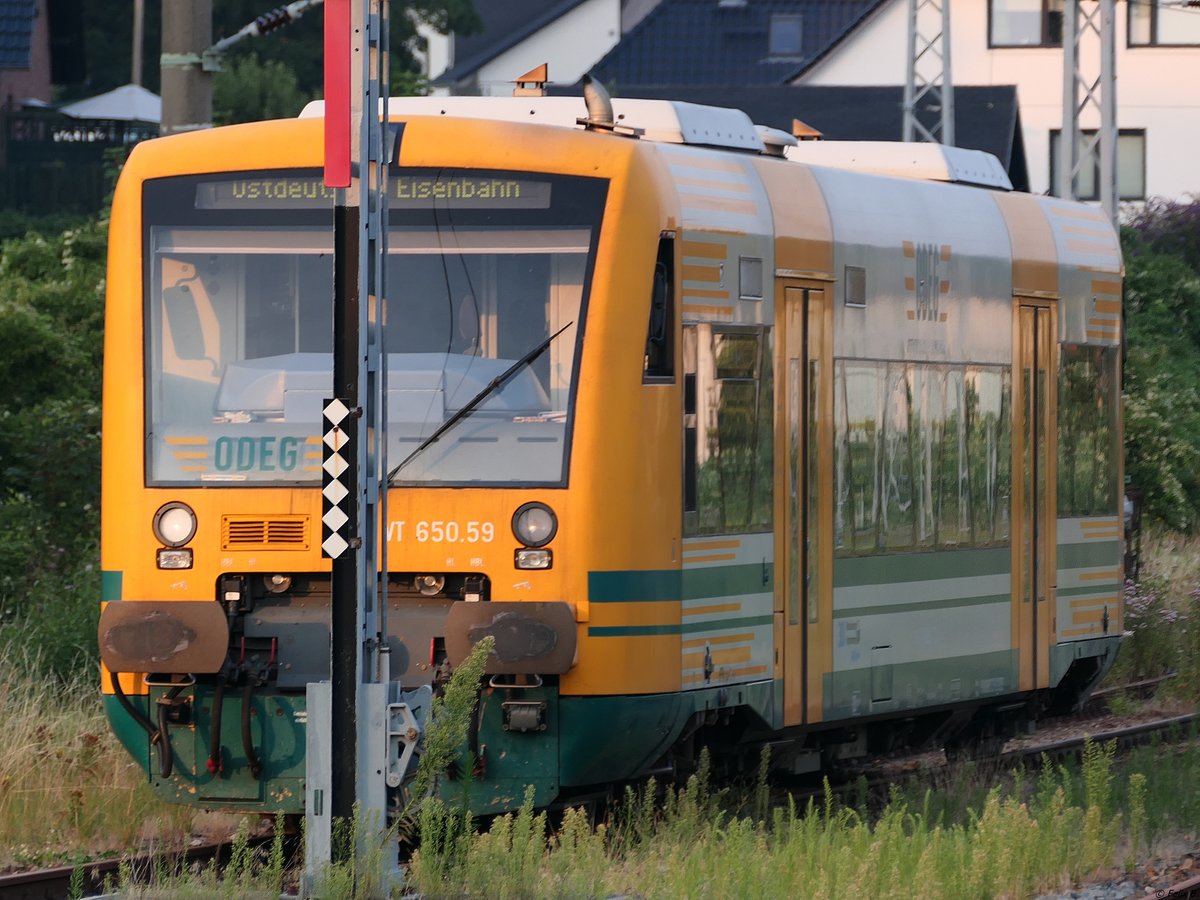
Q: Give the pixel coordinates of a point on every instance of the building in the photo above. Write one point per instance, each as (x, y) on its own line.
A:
(518, 35)
(24, 53)
(1016, 42)
(722, 51)
(728, 43)
(747, 54)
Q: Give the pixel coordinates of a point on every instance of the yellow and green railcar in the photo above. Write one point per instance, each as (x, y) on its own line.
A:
(825, 453)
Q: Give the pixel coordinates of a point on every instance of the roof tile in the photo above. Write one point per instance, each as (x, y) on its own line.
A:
(16, 32)
(724, 42)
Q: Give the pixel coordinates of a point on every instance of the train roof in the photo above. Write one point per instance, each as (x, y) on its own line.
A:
(677, 122)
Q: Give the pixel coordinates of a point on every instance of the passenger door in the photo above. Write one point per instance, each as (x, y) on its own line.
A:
(1034, 482)
(805, 551)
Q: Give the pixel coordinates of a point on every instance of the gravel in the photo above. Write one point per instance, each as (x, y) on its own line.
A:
(1106, 890)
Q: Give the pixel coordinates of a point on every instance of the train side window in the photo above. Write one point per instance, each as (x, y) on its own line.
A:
(728, 466)
(898, 525)
(921, 456)
(1087, 431)
(690, 513)
(988, 404)
(659, 365)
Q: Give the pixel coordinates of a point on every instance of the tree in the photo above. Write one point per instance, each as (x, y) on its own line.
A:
(51, 322)
(298, 46)
(248, 90)
(1162, 364)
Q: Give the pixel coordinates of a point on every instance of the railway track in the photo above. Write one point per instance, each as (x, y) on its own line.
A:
(88, 879)
(1128, 737)
(879, 776)
(1143, 689)
(1184, 890)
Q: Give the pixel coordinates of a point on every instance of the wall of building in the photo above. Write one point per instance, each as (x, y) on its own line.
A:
(32, 83)
(1155, 87)
(571, 45)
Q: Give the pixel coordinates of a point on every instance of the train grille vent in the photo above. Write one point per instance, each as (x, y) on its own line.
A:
(258, 533)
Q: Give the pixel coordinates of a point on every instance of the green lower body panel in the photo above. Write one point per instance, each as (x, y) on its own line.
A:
(872, 690)
(616, 738)
(511, 761)
(574, 742)
(277, 736)
(611, 738)
(1062, 656)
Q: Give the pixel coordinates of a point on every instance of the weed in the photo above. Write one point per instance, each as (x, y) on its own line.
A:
(449, 721)
(64, 782)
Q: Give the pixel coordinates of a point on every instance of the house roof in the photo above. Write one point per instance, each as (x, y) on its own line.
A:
(986, 117)
(130, 102)
(504, 26)
(695, 42)
(16, 32)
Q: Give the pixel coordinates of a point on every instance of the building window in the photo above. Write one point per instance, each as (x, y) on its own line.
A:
(1131, 165)
(783, 38)
(1025, 23)
(1163, 23)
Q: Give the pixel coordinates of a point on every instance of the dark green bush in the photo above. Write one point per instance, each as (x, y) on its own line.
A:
(51, 329)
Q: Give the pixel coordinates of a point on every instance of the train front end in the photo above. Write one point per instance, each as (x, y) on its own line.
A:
(516, 343)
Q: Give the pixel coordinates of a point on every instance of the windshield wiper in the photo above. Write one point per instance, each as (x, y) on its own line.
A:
(492, 386)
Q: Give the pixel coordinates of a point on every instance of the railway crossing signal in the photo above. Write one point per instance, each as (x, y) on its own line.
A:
(347, 721)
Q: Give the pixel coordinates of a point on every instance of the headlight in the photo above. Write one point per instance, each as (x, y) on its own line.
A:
(179, 558)
(534, 524)
(533, 559)
(175, 524)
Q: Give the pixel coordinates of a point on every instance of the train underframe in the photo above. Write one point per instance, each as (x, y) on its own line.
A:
(236, 738)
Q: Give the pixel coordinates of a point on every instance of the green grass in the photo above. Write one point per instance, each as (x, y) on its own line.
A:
(1162, 612)
(65, 783)
(1036, 832)
(1064, 826)
(68, 791)
(1013, 844)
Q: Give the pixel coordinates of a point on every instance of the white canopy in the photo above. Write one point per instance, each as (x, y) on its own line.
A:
(131, 102)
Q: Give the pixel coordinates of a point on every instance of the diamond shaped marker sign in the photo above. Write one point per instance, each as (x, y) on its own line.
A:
(337, 453)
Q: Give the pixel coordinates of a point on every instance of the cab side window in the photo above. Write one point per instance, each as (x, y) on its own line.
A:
(659, 366)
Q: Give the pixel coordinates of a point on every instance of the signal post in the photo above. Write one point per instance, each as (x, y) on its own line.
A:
(347, 716)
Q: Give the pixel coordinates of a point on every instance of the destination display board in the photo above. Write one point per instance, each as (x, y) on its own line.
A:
(405, 191)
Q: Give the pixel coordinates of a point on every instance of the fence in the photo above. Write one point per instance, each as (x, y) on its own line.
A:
(51, 163)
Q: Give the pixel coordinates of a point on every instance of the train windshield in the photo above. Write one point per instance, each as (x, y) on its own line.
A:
(483, 269)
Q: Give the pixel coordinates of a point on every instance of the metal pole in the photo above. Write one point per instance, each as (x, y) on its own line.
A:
(186, 87)
(1098, 93)
(346, 638)
(1110, 199)
(910, 81)
(139, 24)
(359, 671)
(1068, 138)
(928, 73)
(947, 80)
(372, 184)
(345, 643)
